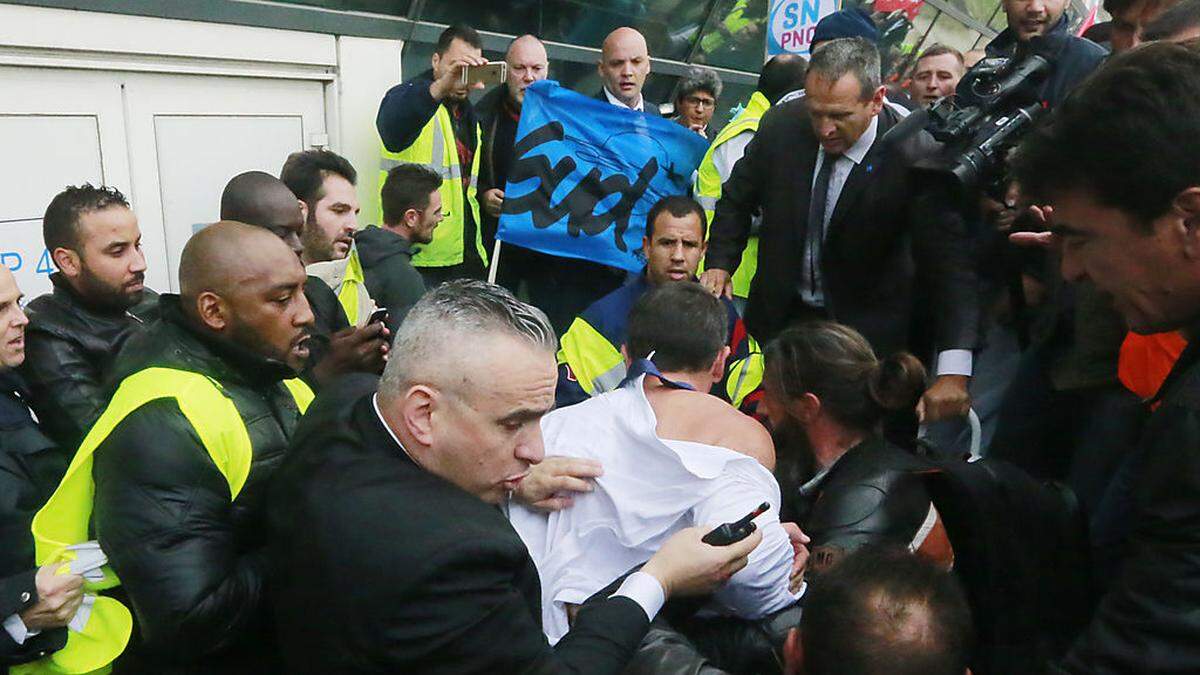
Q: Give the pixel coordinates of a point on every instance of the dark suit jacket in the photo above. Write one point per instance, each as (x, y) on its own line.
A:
(648, 107)
(18, 593)
(895, 262)
(383, 567)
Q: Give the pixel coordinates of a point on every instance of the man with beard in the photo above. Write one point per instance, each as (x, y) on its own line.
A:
(257, 198)
(324, 182)
(171, 479)
(412, 210)
(98, 301)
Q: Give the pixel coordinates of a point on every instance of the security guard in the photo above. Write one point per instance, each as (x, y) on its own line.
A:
(591, 361)
(780, 75)
(179, 463)
(431, 122)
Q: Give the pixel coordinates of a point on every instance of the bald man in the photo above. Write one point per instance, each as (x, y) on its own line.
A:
(623, 67)
(257, 198)
(499, 112)
(181, 520)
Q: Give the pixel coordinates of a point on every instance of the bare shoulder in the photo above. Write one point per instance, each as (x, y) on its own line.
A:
(739, 432)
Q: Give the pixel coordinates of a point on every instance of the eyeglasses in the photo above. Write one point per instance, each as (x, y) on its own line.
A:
(701, 102)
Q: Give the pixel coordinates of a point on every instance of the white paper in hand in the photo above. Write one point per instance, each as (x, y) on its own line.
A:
(89, 558)
(82, 614)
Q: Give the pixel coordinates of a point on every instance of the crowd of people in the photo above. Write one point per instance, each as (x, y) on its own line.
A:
(337, 449)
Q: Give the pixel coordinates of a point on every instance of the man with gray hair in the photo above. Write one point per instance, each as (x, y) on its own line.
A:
(385, 517)
(696, 99)
(869, 242)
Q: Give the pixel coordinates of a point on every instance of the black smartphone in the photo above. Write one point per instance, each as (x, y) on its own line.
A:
(378, 316)
(731, 533)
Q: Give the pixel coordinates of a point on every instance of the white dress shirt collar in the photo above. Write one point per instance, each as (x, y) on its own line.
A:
(640, 107)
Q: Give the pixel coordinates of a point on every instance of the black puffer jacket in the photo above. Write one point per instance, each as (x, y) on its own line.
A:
(191, 563)
(391, 279)
(69, 350)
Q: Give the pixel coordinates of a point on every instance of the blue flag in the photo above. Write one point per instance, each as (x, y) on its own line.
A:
(586, 174)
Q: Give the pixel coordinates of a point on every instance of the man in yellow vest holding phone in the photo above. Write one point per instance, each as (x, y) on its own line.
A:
(171, 479)
(429, 120)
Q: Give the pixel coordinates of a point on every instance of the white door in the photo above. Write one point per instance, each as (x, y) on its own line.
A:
(169, 141)
(57, 128)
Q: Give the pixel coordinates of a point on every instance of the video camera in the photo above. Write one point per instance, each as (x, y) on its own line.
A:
(996, 102)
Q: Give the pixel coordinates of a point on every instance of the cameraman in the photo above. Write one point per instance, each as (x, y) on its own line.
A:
(1073, 58)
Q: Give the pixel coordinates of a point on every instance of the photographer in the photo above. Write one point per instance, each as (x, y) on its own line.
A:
(1073, 58)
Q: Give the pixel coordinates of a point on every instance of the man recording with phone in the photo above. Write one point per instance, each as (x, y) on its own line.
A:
(428, 120)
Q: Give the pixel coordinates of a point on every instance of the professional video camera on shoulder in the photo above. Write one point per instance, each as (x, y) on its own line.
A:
(996, 102)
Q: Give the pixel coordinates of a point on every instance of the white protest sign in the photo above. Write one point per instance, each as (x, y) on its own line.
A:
(790, 24)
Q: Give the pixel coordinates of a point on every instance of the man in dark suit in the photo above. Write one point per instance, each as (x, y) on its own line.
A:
(849, 230)
(624, 65)
(384, 516)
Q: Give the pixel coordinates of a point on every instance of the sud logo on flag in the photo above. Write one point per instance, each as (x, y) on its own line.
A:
(587, 173)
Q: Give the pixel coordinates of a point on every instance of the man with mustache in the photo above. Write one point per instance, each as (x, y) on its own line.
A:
(99, 300)
(181, 457)
(590, 361)
(1072, 58)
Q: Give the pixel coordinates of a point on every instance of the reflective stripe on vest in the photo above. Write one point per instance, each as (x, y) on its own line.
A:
(595, 362)
(708, 186)
(749, 374)
(349, 291)
(66, 518)
(437, 149)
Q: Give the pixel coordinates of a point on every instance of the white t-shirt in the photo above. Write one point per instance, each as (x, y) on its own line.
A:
(651, 488)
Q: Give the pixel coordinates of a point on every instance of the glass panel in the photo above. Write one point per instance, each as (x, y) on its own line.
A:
(734, 36)
(671, 27)
(515, 17)
(392, 7)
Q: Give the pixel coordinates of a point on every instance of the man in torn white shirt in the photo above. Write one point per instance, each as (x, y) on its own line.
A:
(673, 457)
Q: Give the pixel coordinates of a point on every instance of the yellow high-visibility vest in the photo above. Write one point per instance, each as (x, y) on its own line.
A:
(348, 294)
(708, 186)
(65, 520)
(437, 149)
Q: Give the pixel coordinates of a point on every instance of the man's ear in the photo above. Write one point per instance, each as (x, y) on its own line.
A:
(212, 311)
(625, 355)
(793, 653)
(69, 262)
(303, 210)
(877, 99)
(718, 366)
(807, 408)
(417, 411)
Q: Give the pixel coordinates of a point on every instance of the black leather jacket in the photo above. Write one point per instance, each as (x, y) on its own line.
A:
(192, 564)
(69, 349)
(871, 495)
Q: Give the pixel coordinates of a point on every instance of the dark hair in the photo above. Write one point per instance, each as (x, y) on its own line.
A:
(941, 50)
(458, 31)
(783, 74)
(682, 323)
(1115, 7)
(699, 78)
(1182, 17)
(407, 186)
(60, 224)
(304, 173)
(679, 206)
(848, 56)
(836, 364)
(886, 611)
(1129, 136)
